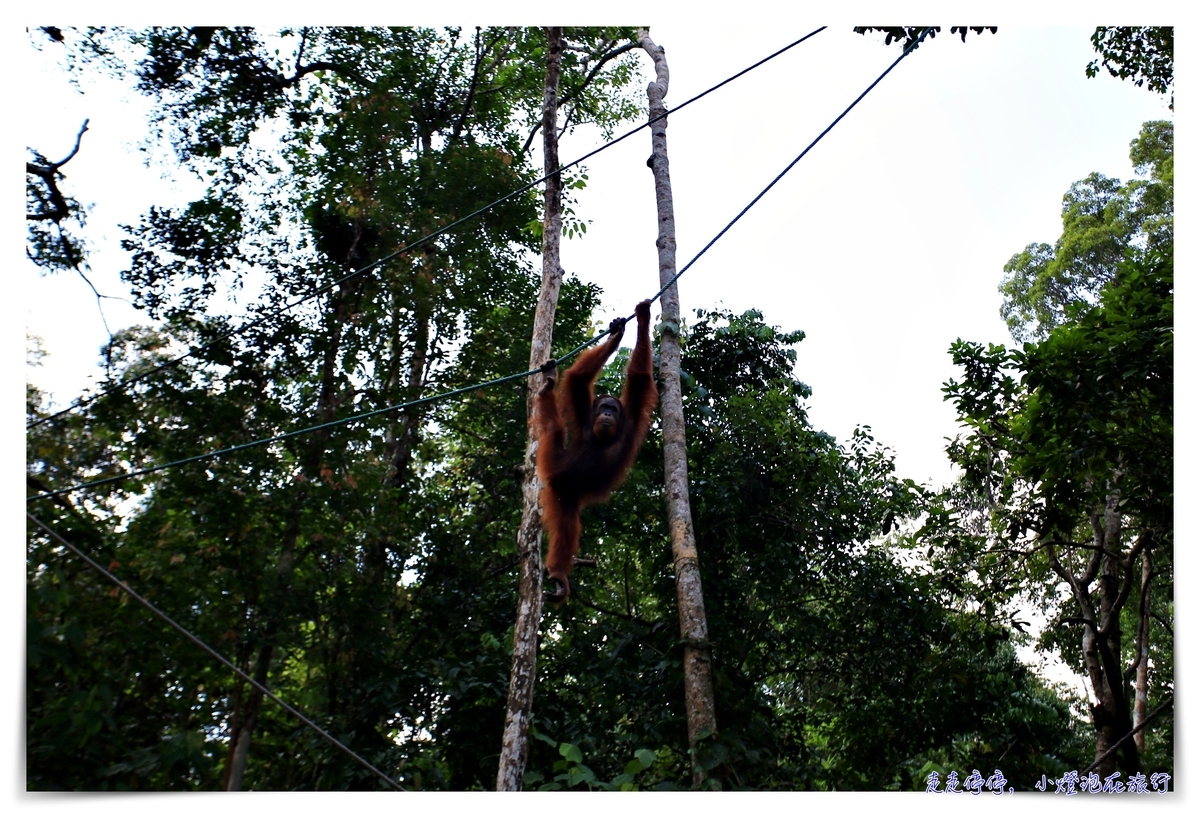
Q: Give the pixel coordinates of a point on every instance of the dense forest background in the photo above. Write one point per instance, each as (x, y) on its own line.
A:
(864, 627)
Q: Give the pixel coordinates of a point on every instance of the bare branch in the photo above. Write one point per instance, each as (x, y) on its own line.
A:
(529, 139)
(324, 65)
(1076, 620)
(48, 173)
(1087, 546)
(572, 95)
(302, 46)
(470, 100)
(627, 617)
(1067, 575)
(1098, 554)
(1170, 631)
(509, 42)
(611, 55)
(74, 150)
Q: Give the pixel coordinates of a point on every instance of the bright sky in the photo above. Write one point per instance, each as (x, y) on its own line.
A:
(885, 244)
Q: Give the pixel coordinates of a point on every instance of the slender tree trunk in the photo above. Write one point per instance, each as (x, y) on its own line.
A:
(1142, 683)
(514, 750)
(241, 750)
(401, 437)
(693, 625)
(262, 664)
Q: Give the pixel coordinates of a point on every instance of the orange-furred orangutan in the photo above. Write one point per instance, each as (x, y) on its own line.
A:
(587, 444)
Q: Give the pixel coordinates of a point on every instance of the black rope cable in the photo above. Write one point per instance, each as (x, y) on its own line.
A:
(909, 49)
(295, 433)
(552, 362)
(704, 250)
(198, 641)
(83, 401)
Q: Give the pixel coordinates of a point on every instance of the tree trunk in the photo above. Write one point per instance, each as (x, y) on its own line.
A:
(248, 718)
(401, 437)
(693, 625)
(514, 749)
(1142, 683)
(1101, 638)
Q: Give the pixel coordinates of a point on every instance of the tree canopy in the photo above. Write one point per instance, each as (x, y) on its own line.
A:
(1101, 217)
(1066, 498)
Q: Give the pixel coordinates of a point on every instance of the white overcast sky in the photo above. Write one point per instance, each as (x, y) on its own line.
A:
(884, 244)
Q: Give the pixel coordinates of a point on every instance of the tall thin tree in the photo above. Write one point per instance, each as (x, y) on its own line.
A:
(514, 750)
(693, 624)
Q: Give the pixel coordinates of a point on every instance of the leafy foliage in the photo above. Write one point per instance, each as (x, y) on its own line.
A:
(1101, 219)
(910, 35)
(1078, 447)
(1144, 54)
(1097, 391)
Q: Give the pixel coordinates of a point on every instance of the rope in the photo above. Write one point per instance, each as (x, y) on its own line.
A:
(674, 278)
(242, 674)
(83, 401)
(295, 433)
(485, 384)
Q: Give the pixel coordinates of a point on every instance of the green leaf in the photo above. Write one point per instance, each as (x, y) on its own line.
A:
(645, 757)
(570, 752)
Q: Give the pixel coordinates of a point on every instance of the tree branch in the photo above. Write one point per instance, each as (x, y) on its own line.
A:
(607, 612)
(509, 43)
(324, 65)
(1114, 615)
(47, 173)
(571, 95)
(1087, 546)
(1065, 573)
(529, 139)
(611, 55)
(470, 100)
(1093, 568)
(301, 47)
